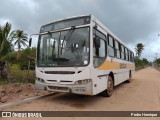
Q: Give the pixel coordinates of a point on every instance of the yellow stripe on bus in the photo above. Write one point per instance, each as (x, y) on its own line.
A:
(108, 65)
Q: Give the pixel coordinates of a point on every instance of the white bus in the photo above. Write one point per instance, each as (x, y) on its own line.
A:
(80, 55)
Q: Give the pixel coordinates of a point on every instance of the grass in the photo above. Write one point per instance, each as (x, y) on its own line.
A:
(2, 82)
(139, 67)
(18, 75)
(17, 72)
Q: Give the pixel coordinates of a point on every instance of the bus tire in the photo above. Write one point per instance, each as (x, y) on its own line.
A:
(130, 78)
(108, 92)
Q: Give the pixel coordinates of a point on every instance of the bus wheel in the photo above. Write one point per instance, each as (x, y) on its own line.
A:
(130, 78)
(108, 92)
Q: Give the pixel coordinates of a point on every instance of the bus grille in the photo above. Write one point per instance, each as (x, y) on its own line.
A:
(59, 72)
(58, 88)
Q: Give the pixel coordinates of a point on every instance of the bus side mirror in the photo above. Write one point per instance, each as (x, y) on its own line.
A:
(97, 42)
(30, 41)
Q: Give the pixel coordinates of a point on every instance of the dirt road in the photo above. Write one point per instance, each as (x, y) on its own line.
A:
(142, 94)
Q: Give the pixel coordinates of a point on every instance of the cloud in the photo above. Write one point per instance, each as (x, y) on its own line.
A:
(132, 21)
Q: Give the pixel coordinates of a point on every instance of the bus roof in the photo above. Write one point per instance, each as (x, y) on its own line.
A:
(66, 18)
(93, 18)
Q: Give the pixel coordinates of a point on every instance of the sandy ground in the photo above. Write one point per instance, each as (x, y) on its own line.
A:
(142, 94)
(14, 92)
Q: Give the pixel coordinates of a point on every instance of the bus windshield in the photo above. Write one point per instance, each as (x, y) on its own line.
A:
(64, 48)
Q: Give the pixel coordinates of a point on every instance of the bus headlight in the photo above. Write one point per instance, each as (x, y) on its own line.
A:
(80, 82)
(40, 80)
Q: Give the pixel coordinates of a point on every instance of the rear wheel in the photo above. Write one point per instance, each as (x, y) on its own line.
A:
(108, 92)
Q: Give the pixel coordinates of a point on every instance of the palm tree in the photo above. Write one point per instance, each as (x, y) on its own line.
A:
(139, 48)
(20, 38)
(5, 48)
(5, 44)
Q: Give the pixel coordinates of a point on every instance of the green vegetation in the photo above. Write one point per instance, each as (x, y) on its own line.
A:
(20, 38)
(139, 49)
(20, 76)
(5, 44)
(2, 82)
(140, 63)
(21, 58)
(157, 64)
(157, 61)
(17, 62)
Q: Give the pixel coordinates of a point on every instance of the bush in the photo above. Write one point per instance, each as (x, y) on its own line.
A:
(140, 63)
(21, 58)
(24, 65)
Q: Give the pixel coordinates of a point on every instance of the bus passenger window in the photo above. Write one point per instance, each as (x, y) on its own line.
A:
(126, 52)
(99, 53)
(131, 56)
(117, 49)
(111, 46)
(122, 53)
(99, 48)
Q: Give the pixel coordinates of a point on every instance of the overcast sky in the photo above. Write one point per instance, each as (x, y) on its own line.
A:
(133, 21)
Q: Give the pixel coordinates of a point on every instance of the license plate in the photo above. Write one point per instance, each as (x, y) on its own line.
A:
(80, 89)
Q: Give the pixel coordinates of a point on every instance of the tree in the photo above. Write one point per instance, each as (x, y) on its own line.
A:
(157, 62)
(5, 48)
(145, 61)
(139, 48)
(5, 44)
(140, 63)
(20, 38)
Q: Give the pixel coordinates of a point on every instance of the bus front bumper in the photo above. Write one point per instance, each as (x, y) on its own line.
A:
(84, 89)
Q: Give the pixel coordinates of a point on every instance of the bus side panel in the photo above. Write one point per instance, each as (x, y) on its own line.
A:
(99, 80)
(117, 78)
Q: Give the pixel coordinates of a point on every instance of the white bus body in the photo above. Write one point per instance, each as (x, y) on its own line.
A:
(79, 55)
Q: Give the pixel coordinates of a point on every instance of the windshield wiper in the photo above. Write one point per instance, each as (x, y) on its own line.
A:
(67, 37)
(69, 34)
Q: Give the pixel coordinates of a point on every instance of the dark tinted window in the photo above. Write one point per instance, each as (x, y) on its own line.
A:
(111, 46)
(117, 49)
(98, 33)
(126, 54)
(99, 54)
(122, 52)
(110, 41)
(131, 56)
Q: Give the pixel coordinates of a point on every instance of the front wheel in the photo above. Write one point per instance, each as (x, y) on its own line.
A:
(108, 92)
